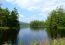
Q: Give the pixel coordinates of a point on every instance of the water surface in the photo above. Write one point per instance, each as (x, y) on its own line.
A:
(27, 36)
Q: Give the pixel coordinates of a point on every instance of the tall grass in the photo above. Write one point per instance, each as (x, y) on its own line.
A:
(59, 41)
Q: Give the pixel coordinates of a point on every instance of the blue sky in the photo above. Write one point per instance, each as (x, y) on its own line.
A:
(30, 10)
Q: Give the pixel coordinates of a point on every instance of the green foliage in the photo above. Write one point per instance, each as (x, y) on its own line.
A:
(37, 24)
(59, 41)
(9, 24)
(56, 23)
(8, 18)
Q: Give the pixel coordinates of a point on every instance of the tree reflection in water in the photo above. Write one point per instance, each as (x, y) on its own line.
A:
(8, 36)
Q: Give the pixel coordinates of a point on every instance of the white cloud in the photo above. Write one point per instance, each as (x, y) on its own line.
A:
(43, 6)
(1, 1)
(20, 17)
(9, 0)
(37, 4)
(31, 18)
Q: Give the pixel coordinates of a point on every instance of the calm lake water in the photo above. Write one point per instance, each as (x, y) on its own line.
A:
(28, 36)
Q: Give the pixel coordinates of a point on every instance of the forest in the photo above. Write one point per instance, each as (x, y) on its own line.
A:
(55, 23)
(55, 26)
(9, 25)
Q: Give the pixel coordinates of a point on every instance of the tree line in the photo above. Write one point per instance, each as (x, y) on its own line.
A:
(8, 19)
(9, 25)
(55, 23)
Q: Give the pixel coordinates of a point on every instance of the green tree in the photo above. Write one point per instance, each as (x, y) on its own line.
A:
(37, 24)
(14, 18)
(56, 23)
(9, 20)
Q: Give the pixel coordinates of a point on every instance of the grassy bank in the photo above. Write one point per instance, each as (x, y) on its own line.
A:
(59, 41)
(4, 27)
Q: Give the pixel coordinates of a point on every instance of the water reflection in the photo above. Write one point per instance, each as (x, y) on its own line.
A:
(8, 36)
(28, 36)
(25, 36)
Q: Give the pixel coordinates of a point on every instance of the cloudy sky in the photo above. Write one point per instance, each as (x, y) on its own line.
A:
(30, 10)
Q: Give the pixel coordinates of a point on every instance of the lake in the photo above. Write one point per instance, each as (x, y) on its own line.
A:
(29, 36)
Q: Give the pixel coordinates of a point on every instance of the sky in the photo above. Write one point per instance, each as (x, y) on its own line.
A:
(30, 10)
